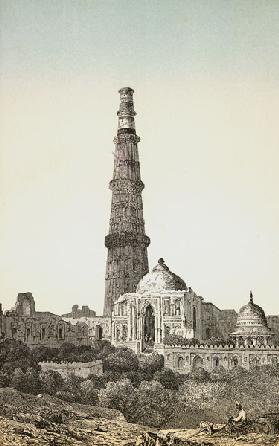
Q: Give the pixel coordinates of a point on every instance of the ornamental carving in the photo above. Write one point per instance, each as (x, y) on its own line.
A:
(127, 238)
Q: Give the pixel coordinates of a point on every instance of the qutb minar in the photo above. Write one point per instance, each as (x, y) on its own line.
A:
(127, 243)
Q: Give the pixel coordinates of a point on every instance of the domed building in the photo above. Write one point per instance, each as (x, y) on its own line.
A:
(251, 326)
(161, 305)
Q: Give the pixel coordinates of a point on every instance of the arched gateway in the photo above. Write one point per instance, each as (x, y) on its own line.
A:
(197, 363)
(148, 327)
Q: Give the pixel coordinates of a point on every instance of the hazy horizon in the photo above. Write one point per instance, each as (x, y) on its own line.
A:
(206, 81)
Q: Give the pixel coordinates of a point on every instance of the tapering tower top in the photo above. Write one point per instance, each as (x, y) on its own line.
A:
(126, 113)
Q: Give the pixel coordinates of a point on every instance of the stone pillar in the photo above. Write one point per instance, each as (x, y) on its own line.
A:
(130, 323)
(156, 327)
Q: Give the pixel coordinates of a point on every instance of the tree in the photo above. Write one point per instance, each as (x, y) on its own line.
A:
(51, 381)
(4, 379)
(149, 364)
(72, 384)
(42, 353)
(119, 395)
(27, 382)
(89, 393)
(155, 404)
(167, 378)
(16, 355)
(98, 382)
(34, 384)
(199, 374)
(219, 374)
(122, 360)
(102, 348)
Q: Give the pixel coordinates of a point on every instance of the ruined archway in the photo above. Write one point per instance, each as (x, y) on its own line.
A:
(99, 332)
(180, 362)
(197, 363)
(216, 362)
(234, 361)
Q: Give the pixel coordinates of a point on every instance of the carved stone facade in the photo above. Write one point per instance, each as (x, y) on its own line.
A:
(184, 359)
(127, 242)
(34, 328)
(252, 345)
(162, 305)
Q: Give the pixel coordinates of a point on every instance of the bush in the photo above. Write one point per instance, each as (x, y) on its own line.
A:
(149, 364)
(89, 393)
(51, 381)
(27, 382)
(4, 379)
(119, 395)
(219, 374)
(99, 382)
(102, 348)
(16, 355)
(155, 405)
(122, 360)
(72, 386)
(199, 375)
(66, 396)
(167, 378)
(172, 339)
(218, 341)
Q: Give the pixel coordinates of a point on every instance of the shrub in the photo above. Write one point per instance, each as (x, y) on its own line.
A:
(119, 395)
(4, 379)
(149, 364)
(99, 382)
(167, 378)
(199, 374)
(173, 339)
(27, 382)
(66, 396)
(219, 374)
(89, 393)
(122, 360)
(102, 349)
(155, 405)
(51, 381)
(16, 355)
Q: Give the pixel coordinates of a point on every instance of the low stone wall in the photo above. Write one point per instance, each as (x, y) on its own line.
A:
(82, 369)
(185, 358)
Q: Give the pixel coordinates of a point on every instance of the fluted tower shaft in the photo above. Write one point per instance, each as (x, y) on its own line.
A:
(127, 243)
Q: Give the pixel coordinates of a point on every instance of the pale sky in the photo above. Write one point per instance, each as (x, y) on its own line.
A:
(206, 81)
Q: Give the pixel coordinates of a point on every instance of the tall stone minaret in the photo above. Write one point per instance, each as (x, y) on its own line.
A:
(127, 243)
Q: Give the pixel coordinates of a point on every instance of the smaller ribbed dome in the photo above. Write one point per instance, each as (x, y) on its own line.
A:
(160, 279)
(251, 320)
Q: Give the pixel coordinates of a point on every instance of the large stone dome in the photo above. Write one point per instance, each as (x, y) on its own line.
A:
(160, 279)
(251, 320)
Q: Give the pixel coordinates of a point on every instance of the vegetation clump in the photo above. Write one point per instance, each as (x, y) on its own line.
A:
(140, 386)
